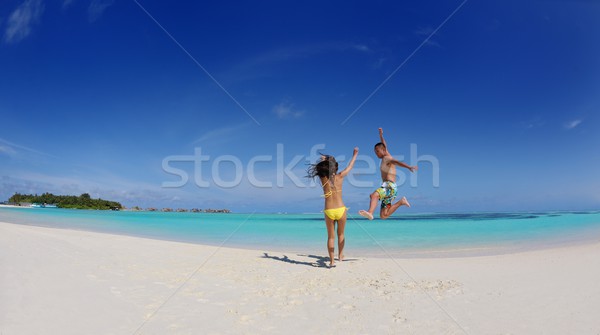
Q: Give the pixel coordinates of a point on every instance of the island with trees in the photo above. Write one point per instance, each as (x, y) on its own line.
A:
(83, 201)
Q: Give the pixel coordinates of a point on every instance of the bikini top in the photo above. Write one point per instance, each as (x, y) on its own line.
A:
(330, 192)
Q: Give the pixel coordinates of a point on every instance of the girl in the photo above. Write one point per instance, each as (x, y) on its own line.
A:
(335, 211)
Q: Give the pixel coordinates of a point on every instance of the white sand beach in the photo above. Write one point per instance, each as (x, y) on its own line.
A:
(73, 282)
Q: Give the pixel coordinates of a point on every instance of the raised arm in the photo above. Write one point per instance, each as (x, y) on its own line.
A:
(350, 164)
(381, 138)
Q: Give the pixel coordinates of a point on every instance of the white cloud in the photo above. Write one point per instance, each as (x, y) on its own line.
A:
(573, 124)
(286, 110)
(424, 31)
(432, 43)
(361, 47)
(5, 149)
(222, 135)
(428, 33)
(13, 149)
(289, 53)
(21, 21)
(106, 186)
(378, 64)
(533, 123)
(97, 8)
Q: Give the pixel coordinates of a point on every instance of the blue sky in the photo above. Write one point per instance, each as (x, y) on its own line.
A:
(191, 104)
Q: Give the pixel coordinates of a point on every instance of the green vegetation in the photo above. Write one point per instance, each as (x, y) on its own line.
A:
(83, 201)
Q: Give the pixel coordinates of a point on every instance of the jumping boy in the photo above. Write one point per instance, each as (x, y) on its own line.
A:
(388, 190)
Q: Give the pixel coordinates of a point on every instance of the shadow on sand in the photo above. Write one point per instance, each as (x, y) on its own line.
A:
(320, 262)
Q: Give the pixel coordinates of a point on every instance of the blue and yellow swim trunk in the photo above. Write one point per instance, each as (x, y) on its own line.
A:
(387, 192)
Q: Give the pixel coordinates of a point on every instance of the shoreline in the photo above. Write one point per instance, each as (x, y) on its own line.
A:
(407, 215)
(581, 237)
(73, 282)
(13, 206)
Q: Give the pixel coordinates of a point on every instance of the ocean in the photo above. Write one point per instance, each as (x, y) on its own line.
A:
(403, 235)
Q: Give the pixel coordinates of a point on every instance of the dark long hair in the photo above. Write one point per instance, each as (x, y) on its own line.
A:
(326, 167)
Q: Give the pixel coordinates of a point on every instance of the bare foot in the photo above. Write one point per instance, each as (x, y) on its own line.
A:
(368, 215)
(341, 257)
(331, 265)
(404, 202)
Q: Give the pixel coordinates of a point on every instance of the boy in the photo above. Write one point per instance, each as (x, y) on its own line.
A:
(387, 192)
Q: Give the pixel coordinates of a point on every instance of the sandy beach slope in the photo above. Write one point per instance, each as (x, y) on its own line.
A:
(72, 282)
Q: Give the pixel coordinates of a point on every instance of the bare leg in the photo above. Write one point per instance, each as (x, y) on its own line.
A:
(387, 211)
(330, 238)
(341, 238)
(374, 200)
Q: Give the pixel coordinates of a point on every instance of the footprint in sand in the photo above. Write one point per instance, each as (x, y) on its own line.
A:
(399, 319)
(441, 287)
(341, 305)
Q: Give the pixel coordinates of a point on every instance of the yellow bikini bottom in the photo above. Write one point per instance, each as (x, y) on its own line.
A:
(335, 213)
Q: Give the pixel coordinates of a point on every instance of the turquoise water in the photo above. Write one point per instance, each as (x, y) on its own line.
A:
(403, 235)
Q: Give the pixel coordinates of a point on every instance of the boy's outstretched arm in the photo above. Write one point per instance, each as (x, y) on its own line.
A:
(404, 165)
(350, 164)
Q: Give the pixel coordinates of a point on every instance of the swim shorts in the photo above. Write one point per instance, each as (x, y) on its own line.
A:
(387, 192)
